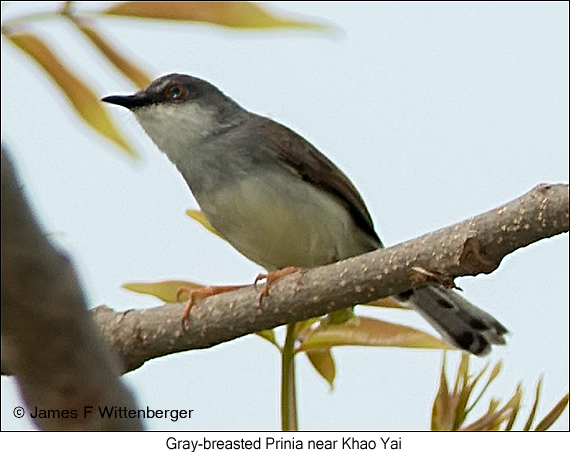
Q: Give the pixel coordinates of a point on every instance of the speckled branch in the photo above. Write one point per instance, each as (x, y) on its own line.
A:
(474, 246)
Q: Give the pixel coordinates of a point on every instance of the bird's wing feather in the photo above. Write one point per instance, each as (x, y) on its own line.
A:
(312, 166)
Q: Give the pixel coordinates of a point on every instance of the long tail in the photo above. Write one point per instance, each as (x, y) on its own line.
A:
(462, 324)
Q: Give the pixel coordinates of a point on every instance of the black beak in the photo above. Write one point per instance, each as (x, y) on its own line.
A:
(130, 102)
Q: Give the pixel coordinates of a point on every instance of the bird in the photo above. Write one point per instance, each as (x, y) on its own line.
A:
(276, 198)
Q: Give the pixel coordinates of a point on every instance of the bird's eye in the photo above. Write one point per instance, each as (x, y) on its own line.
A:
(176, 92)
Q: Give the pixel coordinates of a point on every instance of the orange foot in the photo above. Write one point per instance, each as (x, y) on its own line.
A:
(271, 277)
(200, 293)
(196, 294)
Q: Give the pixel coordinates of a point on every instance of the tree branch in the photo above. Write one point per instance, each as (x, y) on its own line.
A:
(474, 246)
(49, 340)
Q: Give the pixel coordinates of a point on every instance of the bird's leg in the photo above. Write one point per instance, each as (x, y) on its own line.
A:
(196, 294)
(421, 275)
(271, 277)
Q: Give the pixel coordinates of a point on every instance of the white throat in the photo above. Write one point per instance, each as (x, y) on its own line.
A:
(175, 127)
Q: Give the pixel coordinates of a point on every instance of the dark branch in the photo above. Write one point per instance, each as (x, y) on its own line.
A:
(49, 340)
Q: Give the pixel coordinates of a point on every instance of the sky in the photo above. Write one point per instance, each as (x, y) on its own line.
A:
(436, 111)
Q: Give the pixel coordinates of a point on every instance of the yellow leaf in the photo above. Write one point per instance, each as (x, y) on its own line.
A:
(462, 390)
(514, 403)
(372, 332)
(167, 291)
(85, 102)
(494, 373)
(122, 63)
(534, 408)
(441, 418)
(448, 412)
(462, 377)
(551, 417)
(388, 302)
(492, 420)
(227, 14)
(323, 363)
(200, 218)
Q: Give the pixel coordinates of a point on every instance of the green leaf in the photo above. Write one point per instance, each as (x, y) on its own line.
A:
(323, 362)
(341, 316)
(227, 14)
(268, 335)
(79, 94)
(166, 291)
(371, 332)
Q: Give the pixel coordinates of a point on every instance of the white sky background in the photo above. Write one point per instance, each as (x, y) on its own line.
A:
(437, 112)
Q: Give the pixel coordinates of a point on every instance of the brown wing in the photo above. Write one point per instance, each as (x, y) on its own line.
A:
(312, 166)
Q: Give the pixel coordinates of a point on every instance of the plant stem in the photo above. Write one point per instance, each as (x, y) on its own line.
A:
(288, 393)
